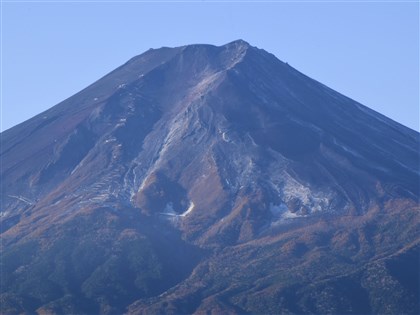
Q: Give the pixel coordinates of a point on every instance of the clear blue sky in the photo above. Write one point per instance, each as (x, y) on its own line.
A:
(368, 51)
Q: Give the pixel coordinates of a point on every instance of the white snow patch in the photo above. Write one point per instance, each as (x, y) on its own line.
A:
(57, 202)
(99, 198)
(190, 208)
(225, 137)
(347, 149)
(252, 140)
(290, 215)
(110, 140)
(24, 199)
(293, 188)
(169, 209)
(3, 214)
(312, 200)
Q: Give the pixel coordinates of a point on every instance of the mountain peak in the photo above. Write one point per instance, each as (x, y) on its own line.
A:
(234, 43)
(238, 43)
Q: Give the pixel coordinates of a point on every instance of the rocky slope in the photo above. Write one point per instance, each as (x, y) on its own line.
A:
(211, 179)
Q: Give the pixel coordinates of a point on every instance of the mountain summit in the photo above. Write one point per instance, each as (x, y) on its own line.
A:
(205, 179)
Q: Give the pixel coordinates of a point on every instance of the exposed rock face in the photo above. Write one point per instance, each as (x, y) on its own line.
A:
(209, 179)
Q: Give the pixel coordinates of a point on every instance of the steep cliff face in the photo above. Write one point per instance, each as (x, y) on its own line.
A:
(209, 178)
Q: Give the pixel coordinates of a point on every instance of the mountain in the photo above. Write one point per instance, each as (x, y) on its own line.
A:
(209, 180)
